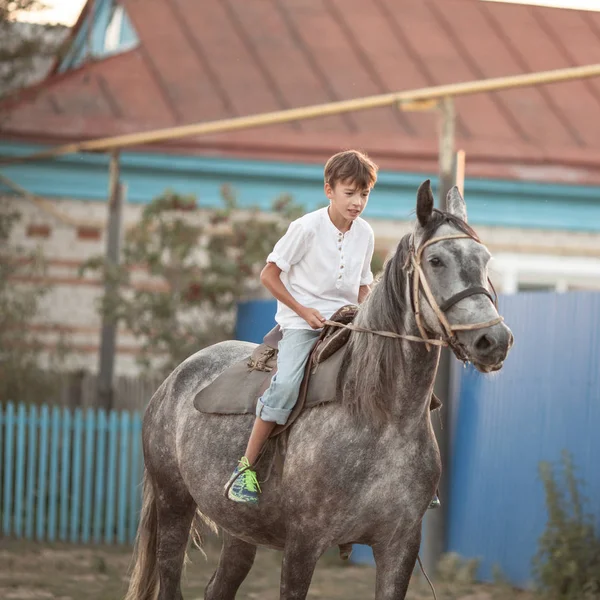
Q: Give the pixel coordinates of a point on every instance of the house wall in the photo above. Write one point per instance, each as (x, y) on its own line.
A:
(543, 236)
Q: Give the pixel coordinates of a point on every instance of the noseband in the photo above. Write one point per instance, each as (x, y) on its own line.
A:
(420, 281)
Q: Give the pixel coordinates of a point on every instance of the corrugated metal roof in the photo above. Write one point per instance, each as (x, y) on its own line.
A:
(221, 58)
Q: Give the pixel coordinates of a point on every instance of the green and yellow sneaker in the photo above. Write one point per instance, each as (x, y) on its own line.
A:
(243, 485)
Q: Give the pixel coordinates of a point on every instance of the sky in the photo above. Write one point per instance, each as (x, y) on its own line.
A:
(578, 4)
(67, 11)
(59, 11)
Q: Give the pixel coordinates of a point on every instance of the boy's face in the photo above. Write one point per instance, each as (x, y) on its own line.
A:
(347, 199)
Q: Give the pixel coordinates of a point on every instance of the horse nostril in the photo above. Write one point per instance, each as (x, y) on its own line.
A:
(485, 342)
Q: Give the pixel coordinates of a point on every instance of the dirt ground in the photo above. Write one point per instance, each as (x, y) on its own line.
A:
(31, 571)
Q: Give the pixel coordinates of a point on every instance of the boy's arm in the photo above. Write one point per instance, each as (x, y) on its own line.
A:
(366, 276)
(270, 277)
(363, 292)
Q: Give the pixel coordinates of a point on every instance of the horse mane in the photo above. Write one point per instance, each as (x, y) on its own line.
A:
(367, 390)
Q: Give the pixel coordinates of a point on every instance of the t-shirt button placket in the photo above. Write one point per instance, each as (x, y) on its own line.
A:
(340, 240)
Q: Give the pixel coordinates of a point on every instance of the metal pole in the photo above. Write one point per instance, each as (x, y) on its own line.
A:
(435, 528)
(447, 154)
(109, 325)
(460, 170)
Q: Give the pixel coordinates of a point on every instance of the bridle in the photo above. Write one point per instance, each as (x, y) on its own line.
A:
(413, 264)
(420, 281)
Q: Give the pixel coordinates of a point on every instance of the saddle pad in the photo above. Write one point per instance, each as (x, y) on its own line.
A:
(236, 390)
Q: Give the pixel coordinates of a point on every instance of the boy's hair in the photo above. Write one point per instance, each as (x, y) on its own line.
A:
(351, 165)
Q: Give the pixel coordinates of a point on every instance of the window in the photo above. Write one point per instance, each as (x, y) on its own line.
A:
(112, 37)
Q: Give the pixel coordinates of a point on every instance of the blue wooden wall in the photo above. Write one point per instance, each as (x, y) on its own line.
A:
(258, 183)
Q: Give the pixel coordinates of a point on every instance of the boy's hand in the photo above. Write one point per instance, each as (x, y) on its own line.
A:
(313, 317)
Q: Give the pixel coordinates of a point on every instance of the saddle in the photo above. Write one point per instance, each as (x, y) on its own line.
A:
(238, 388)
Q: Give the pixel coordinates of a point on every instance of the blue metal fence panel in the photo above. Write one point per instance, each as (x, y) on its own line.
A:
(546, 399)
(31, 466)
(135, 478)
(64, 475)
(88, 476)
(59, 474)
(42, 483)
(255, 318)
(20, 470)
(8, 422)
(100, 474)
(123, 477)
(75, 468)
(53, 489)
(111, 474)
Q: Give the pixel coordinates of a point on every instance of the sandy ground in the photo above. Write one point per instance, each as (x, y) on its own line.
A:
(31, 571)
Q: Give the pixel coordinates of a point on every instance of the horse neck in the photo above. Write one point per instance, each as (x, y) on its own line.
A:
(415, 366)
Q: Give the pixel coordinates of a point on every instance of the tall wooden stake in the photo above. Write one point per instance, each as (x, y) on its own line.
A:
(436, 520)
(109, 325)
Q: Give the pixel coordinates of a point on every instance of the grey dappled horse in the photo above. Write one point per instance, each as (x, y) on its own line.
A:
(361, 470)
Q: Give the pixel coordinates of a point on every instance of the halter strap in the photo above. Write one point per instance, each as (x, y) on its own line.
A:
(472, 291)
(420, 281)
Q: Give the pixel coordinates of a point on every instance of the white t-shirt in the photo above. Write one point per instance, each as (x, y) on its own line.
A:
(322, 267)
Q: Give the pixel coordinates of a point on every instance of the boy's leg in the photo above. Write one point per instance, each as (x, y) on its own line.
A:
(275, 406)
(260, 434)
(277, 402)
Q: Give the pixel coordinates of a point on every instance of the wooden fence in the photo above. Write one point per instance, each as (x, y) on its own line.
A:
(69, 475)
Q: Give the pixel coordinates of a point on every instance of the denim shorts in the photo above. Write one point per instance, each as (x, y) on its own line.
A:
(279, 399)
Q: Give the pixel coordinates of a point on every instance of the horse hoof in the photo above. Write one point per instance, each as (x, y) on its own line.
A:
(345, 551)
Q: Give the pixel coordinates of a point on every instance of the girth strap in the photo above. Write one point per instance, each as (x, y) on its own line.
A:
(472, 291)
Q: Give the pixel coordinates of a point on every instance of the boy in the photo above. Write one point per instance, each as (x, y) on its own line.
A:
(322, 263)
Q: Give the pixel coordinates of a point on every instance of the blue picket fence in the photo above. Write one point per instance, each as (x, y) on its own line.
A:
(71, 476)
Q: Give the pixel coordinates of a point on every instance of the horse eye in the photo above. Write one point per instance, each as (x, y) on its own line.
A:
(435, 262)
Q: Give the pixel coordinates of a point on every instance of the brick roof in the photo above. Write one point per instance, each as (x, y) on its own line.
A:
(223, 58)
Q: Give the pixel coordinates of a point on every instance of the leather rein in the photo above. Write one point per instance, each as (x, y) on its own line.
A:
(419, 281)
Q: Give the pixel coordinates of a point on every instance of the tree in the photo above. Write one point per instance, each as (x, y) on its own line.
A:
(23, 377)
(200, 263)
(25, 48)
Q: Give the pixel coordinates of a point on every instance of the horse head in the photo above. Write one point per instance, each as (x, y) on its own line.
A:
(452, 295)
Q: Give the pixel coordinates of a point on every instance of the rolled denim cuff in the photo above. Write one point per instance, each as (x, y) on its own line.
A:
(272, 415)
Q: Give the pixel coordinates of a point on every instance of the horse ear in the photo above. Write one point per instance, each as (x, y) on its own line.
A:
(456, 204)
(424, 203)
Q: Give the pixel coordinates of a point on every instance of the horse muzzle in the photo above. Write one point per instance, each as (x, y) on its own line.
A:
(489, 348)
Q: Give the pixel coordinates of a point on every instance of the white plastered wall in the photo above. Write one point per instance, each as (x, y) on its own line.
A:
(557, 259)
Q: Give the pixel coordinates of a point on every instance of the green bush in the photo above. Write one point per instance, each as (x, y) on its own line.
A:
(567, 564)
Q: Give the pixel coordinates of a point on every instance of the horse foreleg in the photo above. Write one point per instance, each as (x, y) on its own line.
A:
(300, 558)
(235, 563)
(395, 562)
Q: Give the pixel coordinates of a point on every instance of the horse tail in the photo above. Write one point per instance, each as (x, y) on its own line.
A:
(143, 584)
